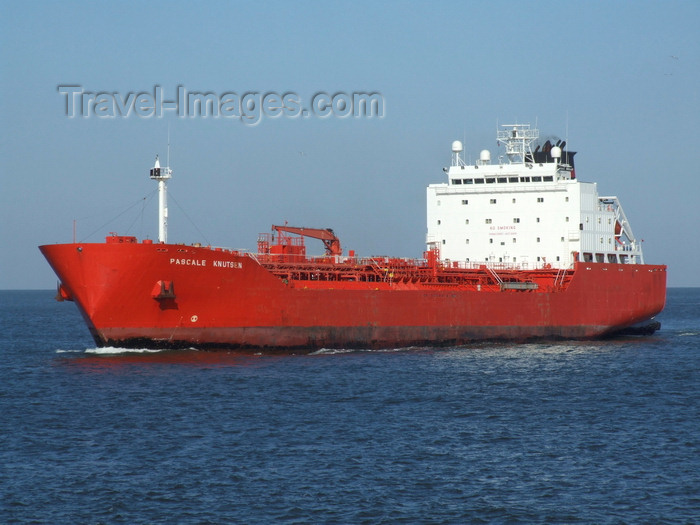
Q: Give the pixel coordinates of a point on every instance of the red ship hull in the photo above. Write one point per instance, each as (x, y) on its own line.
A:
(159, 295)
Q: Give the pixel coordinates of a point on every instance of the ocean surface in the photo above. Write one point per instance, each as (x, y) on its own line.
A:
(568, 432)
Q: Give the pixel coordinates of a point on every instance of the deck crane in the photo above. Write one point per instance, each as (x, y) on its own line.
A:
(330, 241)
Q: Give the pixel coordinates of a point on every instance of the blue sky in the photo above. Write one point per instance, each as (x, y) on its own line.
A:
(622, 78)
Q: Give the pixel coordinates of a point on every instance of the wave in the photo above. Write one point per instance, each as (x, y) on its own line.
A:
(112, 350)
(333, 351)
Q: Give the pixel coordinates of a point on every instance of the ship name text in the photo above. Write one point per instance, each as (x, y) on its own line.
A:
(203, 262)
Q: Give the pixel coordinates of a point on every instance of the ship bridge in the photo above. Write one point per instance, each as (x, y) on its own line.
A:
(526, 210)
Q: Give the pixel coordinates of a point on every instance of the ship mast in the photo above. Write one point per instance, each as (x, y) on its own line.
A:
(162, 175)
(517, 139)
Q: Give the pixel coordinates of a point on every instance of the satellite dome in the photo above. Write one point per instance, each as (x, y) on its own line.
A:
(457, 146)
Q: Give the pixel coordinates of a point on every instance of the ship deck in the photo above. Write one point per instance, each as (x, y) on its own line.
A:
(413, 273)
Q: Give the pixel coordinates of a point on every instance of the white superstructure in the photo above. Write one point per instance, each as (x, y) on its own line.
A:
(526, 210)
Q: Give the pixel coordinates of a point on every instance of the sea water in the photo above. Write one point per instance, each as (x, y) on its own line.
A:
(567, 432)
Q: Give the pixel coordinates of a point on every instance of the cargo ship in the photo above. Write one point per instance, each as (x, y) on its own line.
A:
(516, 249)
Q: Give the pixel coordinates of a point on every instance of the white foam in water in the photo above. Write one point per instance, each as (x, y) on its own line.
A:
(332, 351)
(111, 350)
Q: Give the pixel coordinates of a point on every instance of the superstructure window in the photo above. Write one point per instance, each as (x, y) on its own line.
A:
(512, 179)
(456, 181)
(488, 221)
(536, 179)
(540, 199)
(478, 181)
(548, 178)
(465, 202)
(468, 181)
(466, 221)
(516, 220)
(490, 181)
(493, 201)
(502, 179)
(524, 179)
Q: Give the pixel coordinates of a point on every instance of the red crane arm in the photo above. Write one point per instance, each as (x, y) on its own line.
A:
(330, 241)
